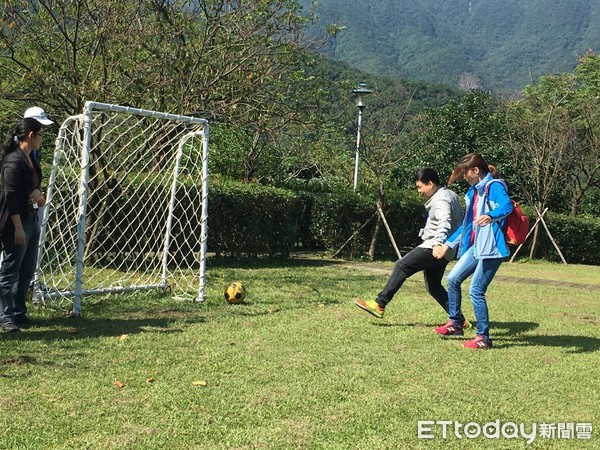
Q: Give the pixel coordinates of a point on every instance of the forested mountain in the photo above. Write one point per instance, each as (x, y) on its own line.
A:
(498, 45)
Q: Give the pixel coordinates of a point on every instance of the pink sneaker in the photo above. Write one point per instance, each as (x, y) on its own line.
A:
(449, 330)
(479, 342)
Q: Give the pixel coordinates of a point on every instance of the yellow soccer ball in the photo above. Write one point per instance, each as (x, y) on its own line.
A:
(235, 293)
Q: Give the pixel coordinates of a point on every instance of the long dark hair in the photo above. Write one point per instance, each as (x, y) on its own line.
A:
(19, 133)
(471, 161)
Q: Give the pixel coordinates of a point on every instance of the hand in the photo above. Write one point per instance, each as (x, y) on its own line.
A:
(37, 197)
(19, 236)
(483, 220)
(439, 251)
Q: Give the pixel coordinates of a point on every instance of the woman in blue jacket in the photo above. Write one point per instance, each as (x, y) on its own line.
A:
(481, 245)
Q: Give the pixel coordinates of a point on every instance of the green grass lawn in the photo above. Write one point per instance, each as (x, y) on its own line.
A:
(299, 366)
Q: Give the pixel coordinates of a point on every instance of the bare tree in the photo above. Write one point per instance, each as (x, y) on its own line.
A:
(223, 58)
(540, 140)
(468, 81)
(384, 147)
(585, 170)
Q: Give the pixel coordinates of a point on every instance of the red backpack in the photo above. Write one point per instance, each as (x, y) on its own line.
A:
(517, 223)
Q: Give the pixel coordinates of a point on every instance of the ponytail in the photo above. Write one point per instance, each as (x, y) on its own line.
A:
(471, 161)
(19, 133)
(494, 171)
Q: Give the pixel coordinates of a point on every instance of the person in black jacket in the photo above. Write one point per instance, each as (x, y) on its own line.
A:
(20, 197)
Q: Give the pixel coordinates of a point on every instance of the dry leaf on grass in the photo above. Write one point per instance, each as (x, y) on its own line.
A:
(123, 337)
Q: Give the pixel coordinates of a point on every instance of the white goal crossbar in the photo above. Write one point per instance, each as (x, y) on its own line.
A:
(127, 206)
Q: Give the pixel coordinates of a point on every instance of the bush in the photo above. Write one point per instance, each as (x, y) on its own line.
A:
(335, 216)
(575, 236)
(250, 219)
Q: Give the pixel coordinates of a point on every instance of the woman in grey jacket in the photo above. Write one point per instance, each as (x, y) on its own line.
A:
(444, 215)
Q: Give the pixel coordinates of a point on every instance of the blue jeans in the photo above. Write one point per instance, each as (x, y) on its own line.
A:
(483, 271)
(17, 270)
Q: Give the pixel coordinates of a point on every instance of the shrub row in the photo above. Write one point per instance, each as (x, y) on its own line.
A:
(576, 237)
(334, 217)
(252, 220)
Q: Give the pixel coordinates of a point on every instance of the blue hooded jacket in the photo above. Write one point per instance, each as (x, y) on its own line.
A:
(489, 240)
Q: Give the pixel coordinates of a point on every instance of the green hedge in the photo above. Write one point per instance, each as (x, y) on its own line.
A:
(336, 216)
(281, 220)
(252, 220)
(577, 238)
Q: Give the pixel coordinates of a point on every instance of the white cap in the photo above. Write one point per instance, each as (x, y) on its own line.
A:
(37, 113)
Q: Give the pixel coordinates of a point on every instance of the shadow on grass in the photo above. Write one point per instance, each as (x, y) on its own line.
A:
(78, 328)
(511, 334)
(576, 344)
(256, 309)
(250, 309)
(510, 328)
(507, 328)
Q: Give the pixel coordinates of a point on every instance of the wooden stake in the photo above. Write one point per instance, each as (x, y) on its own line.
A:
(354, 234)
(528, 234)
(552, 239)
(389, 231)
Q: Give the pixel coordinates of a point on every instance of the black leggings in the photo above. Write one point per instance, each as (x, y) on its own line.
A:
(418, 259)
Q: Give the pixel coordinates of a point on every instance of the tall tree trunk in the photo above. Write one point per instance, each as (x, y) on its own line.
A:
(533, 243)
(575, 205)
(374, 239)
(377, 231)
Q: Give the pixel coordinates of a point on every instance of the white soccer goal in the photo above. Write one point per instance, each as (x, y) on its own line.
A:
(127, 206)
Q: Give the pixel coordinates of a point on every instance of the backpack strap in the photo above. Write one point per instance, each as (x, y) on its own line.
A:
(487, 201)
(486, 192)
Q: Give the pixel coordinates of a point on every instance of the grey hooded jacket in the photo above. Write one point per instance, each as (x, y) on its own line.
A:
(444, 216)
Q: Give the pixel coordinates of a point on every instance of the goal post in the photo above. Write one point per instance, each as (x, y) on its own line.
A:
(127, 206)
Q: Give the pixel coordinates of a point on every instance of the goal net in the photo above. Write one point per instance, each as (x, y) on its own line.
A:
(127, 206)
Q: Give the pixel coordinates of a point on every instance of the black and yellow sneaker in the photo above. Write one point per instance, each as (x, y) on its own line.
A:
(370, 306)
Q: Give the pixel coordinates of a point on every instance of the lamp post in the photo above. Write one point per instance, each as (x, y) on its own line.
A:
(361, 92)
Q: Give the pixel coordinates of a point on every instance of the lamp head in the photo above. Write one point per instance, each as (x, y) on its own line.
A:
(361, 92)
